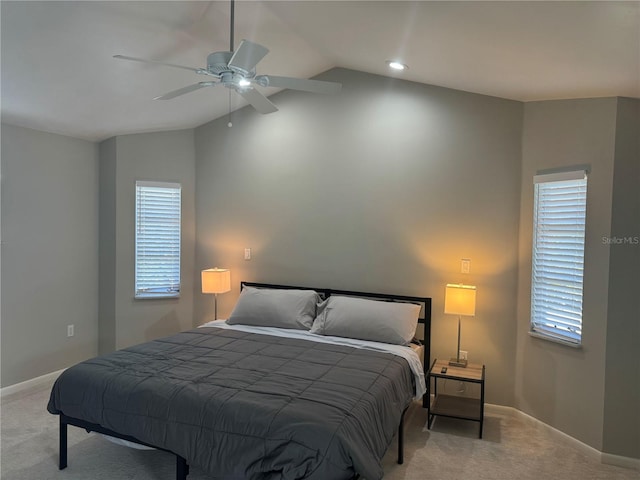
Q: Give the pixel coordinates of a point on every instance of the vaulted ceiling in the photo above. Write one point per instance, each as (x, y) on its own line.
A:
(59, 75)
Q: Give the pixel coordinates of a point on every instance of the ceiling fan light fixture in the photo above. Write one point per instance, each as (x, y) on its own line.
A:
(244, 82)
(396, 65)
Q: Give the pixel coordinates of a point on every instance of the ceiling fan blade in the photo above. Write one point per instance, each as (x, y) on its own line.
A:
(247, 56)
(183, 90)
(155, 62)
(315, 86)
(261, 103)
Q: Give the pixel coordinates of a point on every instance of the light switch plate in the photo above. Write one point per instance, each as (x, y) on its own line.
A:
(465, 265)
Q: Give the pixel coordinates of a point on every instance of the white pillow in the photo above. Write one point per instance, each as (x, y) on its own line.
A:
(283, 308)
(387, 322)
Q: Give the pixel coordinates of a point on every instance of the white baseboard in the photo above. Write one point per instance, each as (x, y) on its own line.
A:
(29, 384)
(619, 461)
(607, 458)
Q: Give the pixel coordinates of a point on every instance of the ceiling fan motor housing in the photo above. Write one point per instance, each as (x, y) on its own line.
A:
(218, 63)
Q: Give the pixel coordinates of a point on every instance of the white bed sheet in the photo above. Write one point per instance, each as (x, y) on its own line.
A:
(412, 358)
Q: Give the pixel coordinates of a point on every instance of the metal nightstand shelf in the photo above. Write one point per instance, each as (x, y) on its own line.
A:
(466, 408)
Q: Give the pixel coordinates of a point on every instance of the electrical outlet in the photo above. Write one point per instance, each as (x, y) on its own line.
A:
(463, 355)
(70, 331)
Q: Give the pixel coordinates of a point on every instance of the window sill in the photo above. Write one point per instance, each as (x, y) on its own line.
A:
(555, 340)
(157, 297)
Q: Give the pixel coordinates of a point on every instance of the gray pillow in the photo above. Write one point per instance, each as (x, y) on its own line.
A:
(386, 322)
(266, 307)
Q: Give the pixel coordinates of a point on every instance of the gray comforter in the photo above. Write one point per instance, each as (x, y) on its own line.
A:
(247, 406)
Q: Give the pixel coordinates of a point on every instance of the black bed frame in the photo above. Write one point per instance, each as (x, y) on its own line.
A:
(182, 468)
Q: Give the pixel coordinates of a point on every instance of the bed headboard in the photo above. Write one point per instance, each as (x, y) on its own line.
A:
(424, 302)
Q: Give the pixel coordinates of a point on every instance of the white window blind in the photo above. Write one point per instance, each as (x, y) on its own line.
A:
(558, 255)
(157, 239)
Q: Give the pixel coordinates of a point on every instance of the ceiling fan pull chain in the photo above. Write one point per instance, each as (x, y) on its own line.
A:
(229, 116)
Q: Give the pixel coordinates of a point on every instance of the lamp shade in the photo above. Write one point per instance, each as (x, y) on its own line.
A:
(216, 280)
(460, 299)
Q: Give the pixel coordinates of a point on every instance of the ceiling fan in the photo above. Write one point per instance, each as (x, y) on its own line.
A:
(236, 70)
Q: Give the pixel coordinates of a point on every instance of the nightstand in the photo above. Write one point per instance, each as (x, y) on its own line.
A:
(455, 406)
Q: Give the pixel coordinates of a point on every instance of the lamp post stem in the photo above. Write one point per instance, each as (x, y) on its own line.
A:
(215, 315)
(458, 351)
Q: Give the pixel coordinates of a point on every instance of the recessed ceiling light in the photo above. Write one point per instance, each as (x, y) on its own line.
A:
(396, 65)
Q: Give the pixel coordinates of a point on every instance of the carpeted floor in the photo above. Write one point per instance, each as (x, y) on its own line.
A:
(513, 448)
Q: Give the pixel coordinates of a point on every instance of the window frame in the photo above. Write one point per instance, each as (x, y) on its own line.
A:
(170, 289)
(558, 317)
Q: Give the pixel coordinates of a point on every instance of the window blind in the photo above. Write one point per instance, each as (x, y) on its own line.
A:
(558, 255)
(157, 269)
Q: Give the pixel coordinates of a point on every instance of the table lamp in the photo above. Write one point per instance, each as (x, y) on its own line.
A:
(216, 280)
(459, 300)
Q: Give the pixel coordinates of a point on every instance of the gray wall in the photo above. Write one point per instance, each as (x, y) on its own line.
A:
(164, 156)
(107, 248)
(560, 385)
(384, 187)
(49, 252)
(621, 434)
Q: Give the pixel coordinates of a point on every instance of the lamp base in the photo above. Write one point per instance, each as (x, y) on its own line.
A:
(454, 362)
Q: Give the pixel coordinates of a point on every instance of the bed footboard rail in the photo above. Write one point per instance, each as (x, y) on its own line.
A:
(182, 467)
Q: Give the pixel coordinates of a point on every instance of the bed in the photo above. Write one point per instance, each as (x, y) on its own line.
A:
(280, 390)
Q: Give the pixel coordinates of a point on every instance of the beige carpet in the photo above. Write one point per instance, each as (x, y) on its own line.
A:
(513, 448)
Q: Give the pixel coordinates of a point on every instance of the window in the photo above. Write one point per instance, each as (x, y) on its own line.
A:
(157, 239)
(560, 207)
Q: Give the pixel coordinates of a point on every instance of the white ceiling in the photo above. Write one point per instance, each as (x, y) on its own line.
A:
(58, 74)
